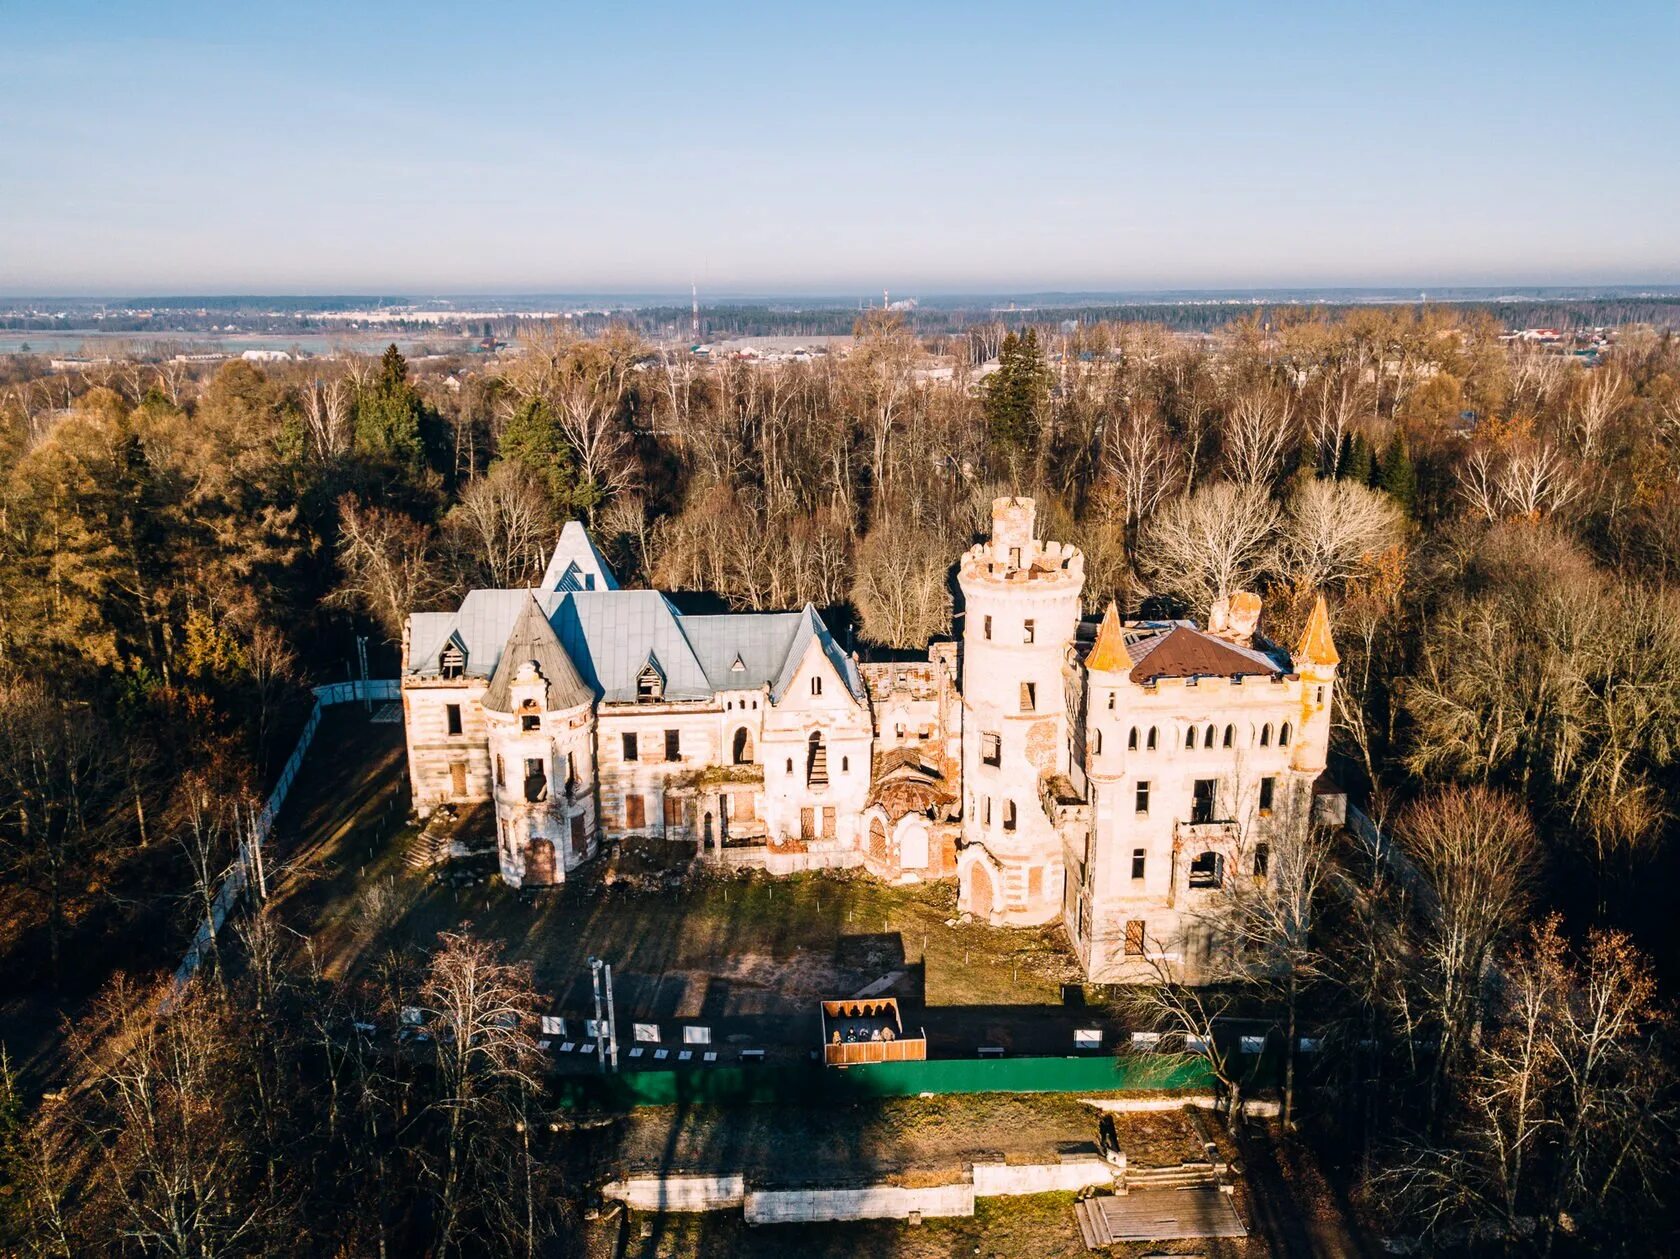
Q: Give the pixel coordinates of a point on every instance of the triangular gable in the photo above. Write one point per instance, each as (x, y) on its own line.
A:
(577, 564)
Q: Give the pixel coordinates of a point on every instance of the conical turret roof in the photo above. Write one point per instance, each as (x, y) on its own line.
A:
(1316, 645)
(1108, 654)
(533, 641)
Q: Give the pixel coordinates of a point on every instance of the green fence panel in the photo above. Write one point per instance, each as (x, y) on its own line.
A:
(803, 1084)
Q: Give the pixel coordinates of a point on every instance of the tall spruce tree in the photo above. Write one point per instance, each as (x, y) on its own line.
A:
(1015, 393)
(1396, 475)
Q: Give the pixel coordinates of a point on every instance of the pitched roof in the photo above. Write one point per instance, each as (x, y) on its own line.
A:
(811, 628)
(576, 563)
(532, 641)
(1316, 645)
(1108, 654)
(1186, 652)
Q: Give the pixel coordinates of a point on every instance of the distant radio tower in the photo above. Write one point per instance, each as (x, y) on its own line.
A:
(884, 299)
(694, 326)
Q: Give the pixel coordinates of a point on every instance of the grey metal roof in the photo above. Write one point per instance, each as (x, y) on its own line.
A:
(609, 636)
(576, 563)
(533, 641)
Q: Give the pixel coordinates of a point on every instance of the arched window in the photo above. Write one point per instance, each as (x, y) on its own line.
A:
(1266, 735)
(743, 749)
(816, 761)
(1131, 740)
(1190, 738)
(1283, 736)
(1207, 870)
(1096, 742)
(816, 686)
(845, 764)
(790, 765)
(1008, 815)
(1207, 737)
(1230, 736)
(1151, 742)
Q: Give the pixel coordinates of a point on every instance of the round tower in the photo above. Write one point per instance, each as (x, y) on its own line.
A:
(1316, 660)
(542, 765)
(1020, 613)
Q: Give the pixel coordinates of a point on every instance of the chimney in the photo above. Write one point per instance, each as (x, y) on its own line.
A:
(1235, 618)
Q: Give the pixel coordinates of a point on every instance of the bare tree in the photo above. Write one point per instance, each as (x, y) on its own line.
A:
(1209, 543)
(1334, 529)
(901, 588)
(503, 524)
(1144, 463)
(1258, 435)
(389, 569)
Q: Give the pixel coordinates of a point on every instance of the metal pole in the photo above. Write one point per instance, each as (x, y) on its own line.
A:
(600, 1041)
(612, 1023)
(361, 655)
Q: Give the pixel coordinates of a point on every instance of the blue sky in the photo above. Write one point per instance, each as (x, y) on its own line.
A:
(243, 147)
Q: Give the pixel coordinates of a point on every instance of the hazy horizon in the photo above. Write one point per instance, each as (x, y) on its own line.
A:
(935, 150)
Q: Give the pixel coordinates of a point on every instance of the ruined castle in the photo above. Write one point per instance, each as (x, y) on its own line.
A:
(1108, 774)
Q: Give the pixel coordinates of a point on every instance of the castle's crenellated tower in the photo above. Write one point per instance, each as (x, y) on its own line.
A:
(1020, 611)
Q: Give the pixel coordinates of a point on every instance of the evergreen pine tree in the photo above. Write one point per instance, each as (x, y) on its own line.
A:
(1396, 476)
(1015, 392)
(1356, 460)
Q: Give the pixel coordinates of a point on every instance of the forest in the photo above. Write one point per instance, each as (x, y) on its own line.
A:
(185, 548)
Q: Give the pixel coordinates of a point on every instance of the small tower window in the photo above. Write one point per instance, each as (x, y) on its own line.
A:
(1029, 697)
(1190, 738)
(1029, 629)
(529, 722)
(1266, 735)
(1096, 742)
(1230, 736)
(1008, 815)
(1150, 746)
(1111, 701)
(986, 629)
(1131, 740)
(816, 686)
(1207, 737)
(991, 749)
(1283, 735)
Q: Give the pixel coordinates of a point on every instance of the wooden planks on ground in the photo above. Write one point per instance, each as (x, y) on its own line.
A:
(1149, 1215)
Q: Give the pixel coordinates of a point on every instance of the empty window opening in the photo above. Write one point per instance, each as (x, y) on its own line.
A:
(1262, 860)
(1268, 789)
(1131, 740)
(501, 772)
(1138, 856)
(630, 746)
(1029, 697)
(529, 722)
(452, 718)
(991, 749)
(986, 810)
(1150, 744)
(453, 662)
(1207, 737)
(1202, 797)
(1143, 797)
(1008, 815)
(845, 764)
(816, 686)
(816, 761)
(1266, 735)
(1190, 738)
(536, 779)
(1207, 870)
(673, 745)
(1111, 701)
(650, 686)
(1029, 630)
(1230, 736)
(1283, 735)
(742, 752)
(987, 629)
(1014, 557)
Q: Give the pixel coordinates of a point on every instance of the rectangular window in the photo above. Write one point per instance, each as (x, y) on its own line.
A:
(530, 721)
(1029, 697)
(580, 840)
(1268, 788)
(1028, 629)
(452, 718)
(1143, 797)
(630, 747)
(987, 811)
(807, 823)
(988, 629)
(635, 813)
(673, 745)
(501, 772)
(536, 779)
(1137, 863)
(741, 806)
(828, 821)
(1202, 797)
(458, 777)
(1262, 860)
(991, 749)
(1134, 937)
(673, 811)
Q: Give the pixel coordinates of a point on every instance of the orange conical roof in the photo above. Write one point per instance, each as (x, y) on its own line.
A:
(1108, 654)
(1316, 645)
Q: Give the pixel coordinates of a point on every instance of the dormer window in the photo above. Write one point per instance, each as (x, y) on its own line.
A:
(650, 684)
(452, 663)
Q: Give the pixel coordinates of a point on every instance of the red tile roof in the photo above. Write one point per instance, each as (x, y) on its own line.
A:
(1183, 652)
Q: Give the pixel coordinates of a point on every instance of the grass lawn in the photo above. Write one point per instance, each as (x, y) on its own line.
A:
(749, 953)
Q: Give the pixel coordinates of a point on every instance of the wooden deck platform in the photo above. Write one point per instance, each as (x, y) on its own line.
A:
(1157, 1215)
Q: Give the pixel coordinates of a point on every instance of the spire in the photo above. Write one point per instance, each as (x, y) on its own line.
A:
(533, 642)
(1108, 654)
(1316, 645)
